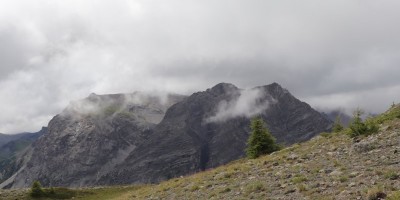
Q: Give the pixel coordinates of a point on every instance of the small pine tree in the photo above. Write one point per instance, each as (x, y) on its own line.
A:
(36, 190)
(337, 126)
(260, 141)
(358, 127)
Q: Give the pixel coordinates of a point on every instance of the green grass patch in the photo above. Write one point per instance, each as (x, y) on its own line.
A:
(392, 175)
(299, 179)
(343, 179)
(254, 187)
(392, 113)
(394, 196)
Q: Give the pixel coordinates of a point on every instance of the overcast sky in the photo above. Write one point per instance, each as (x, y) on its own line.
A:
(331, 53)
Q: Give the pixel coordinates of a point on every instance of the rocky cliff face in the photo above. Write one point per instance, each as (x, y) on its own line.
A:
(119, 139)
(90, 137)
(211, 128)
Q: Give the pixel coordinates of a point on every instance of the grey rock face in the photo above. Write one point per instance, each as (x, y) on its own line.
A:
(184, 142)
(90, 137)
(107, 140)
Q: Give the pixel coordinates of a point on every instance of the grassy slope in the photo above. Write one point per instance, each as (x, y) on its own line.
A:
(326, 167)
(330, 167)
(64, 193)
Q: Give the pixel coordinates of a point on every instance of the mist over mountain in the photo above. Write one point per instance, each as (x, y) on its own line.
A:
(345, 118)
(146, 138)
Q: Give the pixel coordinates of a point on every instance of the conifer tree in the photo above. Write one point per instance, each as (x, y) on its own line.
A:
(357, 126)
(260, 141)
(36, 190)
(337, 126)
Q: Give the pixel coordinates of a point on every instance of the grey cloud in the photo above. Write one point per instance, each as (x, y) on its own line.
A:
(333, 53)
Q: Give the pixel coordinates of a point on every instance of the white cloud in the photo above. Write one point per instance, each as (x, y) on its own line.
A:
(248, 104)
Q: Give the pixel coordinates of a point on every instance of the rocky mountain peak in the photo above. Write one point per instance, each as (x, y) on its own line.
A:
(139, 138)
(224, 88)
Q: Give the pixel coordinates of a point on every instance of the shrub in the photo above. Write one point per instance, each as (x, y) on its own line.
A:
(358, 127)
(375, 194)
(299, 179)
(337, 126)
(36, 190)
(301, 188)
(260, 141)
(343, 179)
(391, 175)
(254, 187)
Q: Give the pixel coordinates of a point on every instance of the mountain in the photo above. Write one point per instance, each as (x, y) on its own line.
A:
(10, 151)
(209, 129)
(330, 166)
(140, 138)
(90, 137)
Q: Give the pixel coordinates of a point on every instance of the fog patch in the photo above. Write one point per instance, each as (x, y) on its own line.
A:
(147, 106)
(250, 103)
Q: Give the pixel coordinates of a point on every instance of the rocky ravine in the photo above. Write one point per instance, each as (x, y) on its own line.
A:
(121, 139)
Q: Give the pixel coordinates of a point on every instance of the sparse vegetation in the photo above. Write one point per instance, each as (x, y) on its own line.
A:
(301, 187)
(110, 110)
(326, 135)
(260, 141)
(299, 179)
(51, 193)
(391, 114)
(57, 193)
(36, 190)
(358, 127)
(337, 126)
(394, 196)
(254, 187)
(343, 179)
(376, 194)
(392, 175)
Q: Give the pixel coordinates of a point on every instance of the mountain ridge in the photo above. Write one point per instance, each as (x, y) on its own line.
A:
(329, 166)
(111, 141)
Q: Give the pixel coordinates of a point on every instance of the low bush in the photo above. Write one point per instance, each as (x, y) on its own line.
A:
(375, 194)
(54, 193)
(36, 190)
(358, 127)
